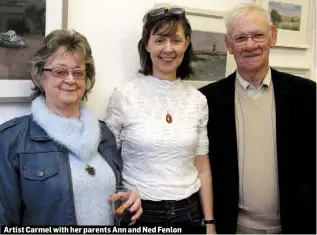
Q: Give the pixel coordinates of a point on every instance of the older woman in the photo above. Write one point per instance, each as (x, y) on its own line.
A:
(160, 123)
(59, 165)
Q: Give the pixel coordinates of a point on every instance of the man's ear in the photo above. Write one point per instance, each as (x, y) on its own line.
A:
(228, 44)
(273, 32)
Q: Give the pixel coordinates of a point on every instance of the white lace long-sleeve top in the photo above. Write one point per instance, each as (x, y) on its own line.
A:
(158, 156)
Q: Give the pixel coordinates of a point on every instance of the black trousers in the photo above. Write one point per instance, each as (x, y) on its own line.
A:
(186, 212)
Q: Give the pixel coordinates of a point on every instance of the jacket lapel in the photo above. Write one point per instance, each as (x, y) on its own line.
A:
(227, 109)
(227, 131)
(37, 133)
(282, 92)
(282, 109)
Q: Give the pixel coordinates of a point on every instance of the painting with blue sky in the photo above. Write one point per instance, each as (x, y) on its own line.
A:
(285, 15)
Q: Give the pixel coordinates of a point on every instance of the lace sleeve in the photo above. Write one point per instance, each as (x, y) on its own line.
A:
(114, 115)
(202, 147)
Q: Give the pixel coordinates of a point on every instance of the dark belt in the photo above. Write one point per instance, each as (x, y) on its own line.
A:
(171, 203)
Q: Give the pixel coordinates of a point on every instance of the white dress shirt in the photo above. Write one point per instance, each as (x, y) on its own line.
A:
(255, 92)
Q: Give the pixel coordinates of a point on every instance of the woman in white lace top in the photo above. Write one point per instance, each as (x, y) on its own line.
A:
(160, 124)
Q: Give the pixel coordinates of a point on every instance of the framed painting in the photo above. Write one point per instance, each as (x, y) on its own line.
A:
(211, 61)
(23, 26)
(293, 18)
(302, 72)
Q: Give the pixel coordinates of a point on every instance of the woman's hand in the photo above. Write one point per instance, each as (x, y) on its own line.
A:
(133, 203)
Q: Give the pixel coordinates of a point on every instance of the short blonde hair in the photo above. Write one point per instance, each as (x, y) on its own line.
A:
(73, 42)
(242, 10)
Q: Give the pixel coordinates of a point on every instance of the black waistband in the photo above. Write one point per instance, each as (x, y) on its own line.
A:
(187, 201)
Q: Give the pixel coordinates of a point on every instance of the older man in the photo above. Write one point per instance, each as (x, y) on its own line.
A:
(262, 133)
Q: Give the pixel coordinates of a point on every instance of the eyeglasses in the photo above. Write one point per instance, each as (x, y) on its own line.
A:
(63, 72)
(165, 10)
(242, 39)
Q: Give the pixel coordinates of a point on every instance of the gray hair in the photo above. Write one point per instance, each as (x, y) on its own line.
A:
(243, 10)
(73, 42)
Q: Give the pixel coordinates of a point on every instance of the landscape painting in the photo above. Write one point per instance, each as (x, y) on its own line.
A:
(210, 56)
(22, 30)
(285, 15)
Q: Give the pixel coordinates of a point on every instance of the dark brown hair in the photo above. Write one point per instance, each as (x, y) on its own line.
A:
(151, 24)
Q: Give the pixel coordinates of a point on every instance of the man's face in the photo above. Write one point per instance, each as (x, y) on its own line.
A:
(250, 41)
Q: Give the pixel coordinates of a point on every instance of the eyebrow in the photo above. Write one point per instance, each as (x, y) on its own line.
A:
(66, 65)
(255, 31)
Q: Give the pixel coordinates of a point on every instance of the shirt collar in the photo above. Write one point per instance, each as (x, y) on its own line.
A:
(265, 84)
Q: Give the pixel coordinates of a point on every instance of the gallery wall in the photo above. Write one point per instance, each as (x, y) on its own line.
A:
(113, 29)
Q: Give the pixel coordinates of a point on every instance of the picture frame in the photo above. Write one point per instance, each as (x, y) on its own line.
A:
(297, 71)
(293, 20)
(211, 60)
(13, 88)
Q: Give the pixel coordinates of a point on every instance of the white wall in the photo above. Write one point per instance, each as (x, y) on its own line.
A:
(113, 29)
(114, 33)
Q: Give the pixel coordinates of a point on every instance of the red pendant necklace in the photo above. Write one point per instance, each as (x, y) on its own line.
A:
(168, 118)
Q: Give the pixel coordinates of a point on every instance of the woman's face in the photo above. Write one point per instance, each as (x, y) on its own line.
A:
(167, 51)
(62, 92)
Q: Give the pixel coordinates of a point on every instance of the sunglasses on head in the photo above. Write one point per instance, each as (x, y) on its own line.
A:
(165, 10)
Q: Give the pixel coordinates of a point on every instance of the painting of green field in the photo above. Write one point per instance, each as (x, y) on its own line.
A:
(285, 15)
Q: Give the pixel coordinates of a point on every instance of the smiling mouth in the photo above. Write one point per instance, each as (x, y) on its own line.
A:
(251, 56)
(68, 90)
(167, 59)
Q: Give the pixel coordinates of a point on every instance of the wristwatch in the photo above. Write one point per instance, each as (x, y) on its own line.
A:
(206, 221)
